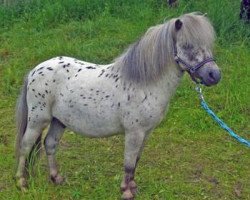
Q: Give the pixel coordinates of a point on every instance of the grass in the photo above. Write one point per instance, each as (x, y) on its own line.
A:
(186, 157)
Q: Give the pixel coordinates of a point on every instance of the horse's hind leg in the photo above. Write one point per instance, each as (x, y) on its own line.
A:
(51, 141)
(30, 137)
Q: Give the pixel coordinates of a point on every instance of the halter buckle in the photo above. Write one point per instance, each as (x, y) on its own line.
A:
(192, 70)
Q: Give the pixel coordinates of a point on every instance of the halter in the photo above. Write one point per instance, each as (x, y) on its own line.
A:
(189, 68)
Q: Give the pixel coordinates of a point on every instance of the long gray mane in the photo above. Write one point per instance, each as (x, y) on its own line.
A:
(148, 59)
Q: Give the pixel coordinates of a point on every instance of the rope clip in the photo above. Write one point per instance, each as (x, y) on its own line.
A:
(199, 91)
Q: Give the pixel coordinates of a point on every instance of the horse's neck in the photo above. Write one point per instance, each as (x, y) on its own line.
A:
(164, 88)
(172, 79)
(168, 83)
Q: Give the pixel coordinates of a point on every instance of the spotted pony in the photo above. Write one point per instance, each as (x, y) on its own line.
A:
(129, 96)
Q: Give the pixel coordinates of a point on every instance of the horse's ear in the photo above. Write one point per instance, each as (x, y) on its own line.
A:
(178, 24)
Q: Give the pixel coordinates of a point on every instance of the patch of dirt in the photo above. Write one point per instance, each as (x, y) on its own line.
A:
(213, 180)
(4, 53)
(238, 187)
(197, 173)
(4, 140)
(2, 187)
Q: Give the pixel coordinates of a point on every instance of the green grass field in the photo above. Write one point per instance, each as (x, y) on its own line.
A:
(186, 157)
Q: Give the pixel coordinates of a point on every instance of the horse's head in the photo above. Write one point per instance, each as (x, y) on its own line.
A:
(193, 48)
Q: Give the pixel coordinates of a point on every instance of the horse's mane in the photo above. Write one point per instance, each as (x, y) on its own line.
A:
(152, 55)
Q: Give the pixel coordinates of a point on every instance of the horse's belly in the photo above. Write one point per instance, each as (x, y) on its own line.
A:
(92, 122)
(94, 128)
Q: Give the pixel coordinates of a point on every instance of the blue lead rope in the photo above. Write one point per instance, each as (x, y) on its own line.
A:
(218, 120)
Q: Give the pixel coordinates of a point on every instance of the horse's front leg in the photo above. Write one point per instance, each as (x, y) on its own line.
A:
(133, 147)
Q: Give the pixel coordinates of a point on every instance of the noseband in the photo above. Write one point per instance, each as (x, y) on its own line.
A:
(192, 69)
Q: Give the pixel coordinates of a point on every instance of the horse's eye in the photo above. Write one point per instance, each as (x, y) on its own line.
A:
(187, 46)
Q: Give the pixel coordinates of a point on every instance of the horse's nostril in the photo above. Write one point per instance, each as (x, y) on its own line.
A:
(211, 75)
(214, 76)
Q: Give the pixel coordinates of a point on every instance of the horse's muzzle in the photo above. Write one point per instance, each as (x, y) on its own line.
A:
(213, 77)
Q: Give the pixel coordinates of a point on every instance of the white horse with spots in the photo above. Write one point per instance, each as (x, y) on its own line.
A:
(129, 96)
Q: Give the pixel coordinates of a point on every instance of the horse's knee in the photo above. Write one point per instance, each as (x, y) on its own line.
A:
(27, 143)
(50, 145)
(25, 148)
(53, 136)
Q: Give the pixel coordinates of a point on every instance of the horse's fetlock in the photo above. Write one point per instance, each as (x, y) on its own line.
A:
(22, 184)
(57, 179)
(133, 187)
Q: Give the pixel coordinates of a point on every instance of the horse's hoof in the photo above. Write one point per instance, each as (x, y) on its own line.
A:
(133, 187)
(22, 184)
(57, 179)
(127, 195)
(24, 189)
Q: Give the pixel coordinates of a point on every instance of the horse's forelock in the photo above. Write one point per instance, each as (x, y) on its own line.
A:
(197, 29)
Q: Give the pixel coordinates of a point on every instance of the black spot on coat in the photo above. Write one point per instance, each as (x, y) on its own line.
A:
(144, 98)
(40, 68)
(33, 73)
(101, 73)
(90, 67)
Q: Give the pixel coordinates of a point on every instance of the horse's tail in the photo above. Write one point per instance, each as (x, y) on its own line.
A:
(21, 122)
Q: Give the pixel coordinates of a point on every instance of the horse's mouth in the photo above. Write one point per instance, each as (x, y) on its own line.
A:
(210, 81)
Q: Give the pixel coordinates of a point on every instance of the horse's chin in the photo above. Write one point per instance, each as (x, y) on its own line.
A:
(208, 82)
